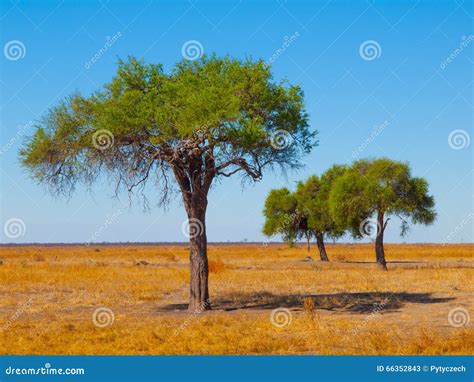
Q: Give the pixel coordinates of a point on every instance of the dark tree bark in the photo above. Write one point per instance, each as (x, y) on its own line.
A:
(199, 269)
(321, 247)
(194, 181)
(379, 250)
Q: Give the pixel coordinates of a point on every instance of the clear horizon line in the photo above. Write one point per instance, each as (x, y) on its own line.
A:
(150, 243)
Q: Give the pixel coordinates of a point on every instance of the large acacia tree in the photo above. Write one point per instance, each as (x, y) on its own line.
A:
(378, 189)
(205, 119)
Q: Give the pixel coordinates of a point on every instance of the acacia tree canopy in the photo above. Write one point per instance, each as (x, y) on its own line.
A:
(313, 197)
(305, 212)
(224, 110)
(313, 200)
(282, 216)
(384, 188)
(209, 118)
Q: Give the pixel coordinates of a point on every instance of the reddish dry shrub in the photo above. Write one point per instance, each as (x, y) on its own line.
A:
(216, 266)
(39, 258)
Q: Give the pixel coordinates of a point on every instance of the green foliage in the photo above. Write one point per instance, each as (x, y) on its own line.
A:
(380, 186)
(305, 212)
(313, 202)
(281, 215)
(212, 114)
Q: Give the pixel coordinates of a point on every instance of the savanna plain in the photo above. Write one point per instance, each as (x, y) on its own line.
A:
(266, 299)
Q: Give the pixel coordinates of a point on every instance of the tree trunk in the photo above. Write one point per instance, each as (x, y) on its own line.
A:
(321, 247)
(194, 183)
(379, 251)
(308, 245)
(199, 268)
(199, 290)
(196, 206)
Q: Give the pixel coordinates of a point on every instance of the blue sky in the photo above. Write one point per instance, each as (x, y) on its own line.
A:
(408, 96)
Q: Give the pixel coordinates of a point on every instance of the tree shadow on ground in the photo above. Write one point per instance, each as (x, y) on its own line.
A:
(388, 262)
(357, 303)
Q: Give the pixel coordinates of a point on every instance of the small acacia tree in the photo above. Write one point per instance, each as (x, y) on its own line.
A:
(380, 187)
(205, 119)
(305, 212)
(313, 200)
(283, 218)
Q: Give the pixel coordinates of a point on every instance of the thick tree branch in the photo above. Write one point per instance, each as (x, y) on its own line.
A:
(254, 172)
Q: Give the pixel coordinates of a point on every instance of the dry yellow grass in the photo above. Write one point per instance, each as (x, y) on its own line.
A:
(48, 296)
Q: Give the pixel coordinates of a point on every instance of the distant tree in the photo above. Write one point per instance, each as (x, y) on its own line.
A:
(313, 203)
(304, 213)
(282, 217)
(206, 119)
(380, 188)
